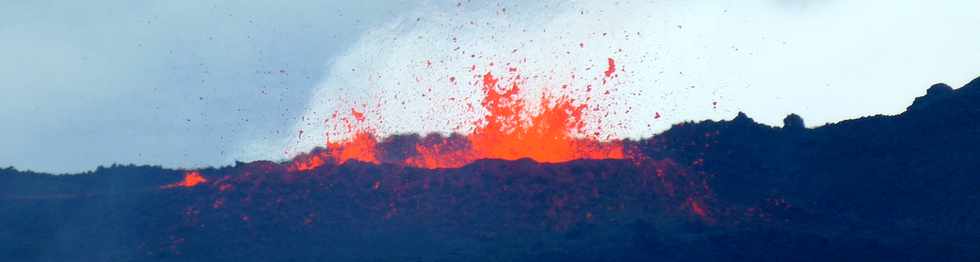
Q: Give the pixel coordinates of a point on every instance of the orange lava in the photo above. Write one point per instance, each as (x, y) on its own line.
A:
(361, 147)
(548, 136)
(612, 67)
(191, 179)
(509, 130)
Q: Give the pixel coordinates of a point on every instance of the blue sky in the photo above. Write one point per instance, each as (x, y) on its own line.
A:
(195, 83)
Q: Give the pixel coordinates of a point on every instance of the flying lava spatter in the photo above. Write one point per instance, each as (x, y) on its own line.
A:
(551, 128)
(509, 130)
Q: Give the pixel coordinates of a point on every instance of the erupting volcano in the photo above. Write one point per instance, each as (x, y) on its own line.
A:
(512, 128)
(489, 131)
(698, 192)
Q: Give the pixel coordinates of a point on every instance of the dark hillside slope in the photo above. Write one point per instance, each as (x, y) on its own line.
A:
(898, 188)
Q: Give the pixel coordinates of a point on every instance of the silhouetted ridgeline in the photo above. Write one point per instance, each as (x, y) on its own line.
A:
(899, 188)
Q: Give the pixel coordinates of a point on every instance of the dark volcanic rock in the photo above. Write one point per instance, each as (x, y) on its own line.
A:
(793, 122)
(898, 188)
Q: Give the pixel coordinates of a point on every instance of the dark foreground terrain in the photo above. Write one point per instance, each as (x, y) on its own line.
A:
(881, 188)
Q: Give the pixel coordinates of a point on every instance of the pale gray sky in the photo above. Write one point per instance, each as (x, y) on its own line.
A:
(192, 83)
(177, 83)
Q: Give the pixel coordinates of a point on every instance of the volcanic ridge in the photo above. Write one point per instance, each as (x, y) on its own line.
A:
(902, 188)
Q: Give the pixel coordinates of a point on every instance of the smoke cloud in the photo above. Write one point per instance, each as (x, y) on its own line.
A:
(675, 61)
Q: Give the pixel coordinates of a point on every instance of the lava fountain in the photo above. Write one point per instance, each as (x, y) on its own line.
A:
(509, 130)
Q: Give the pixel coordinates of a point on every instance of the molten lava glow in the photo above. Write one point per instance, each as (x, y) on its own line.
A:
(191, 179)
(361, 147)
(547, 136)
(509, 130)
(697, 209)
(612, 67)
(307, 163)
